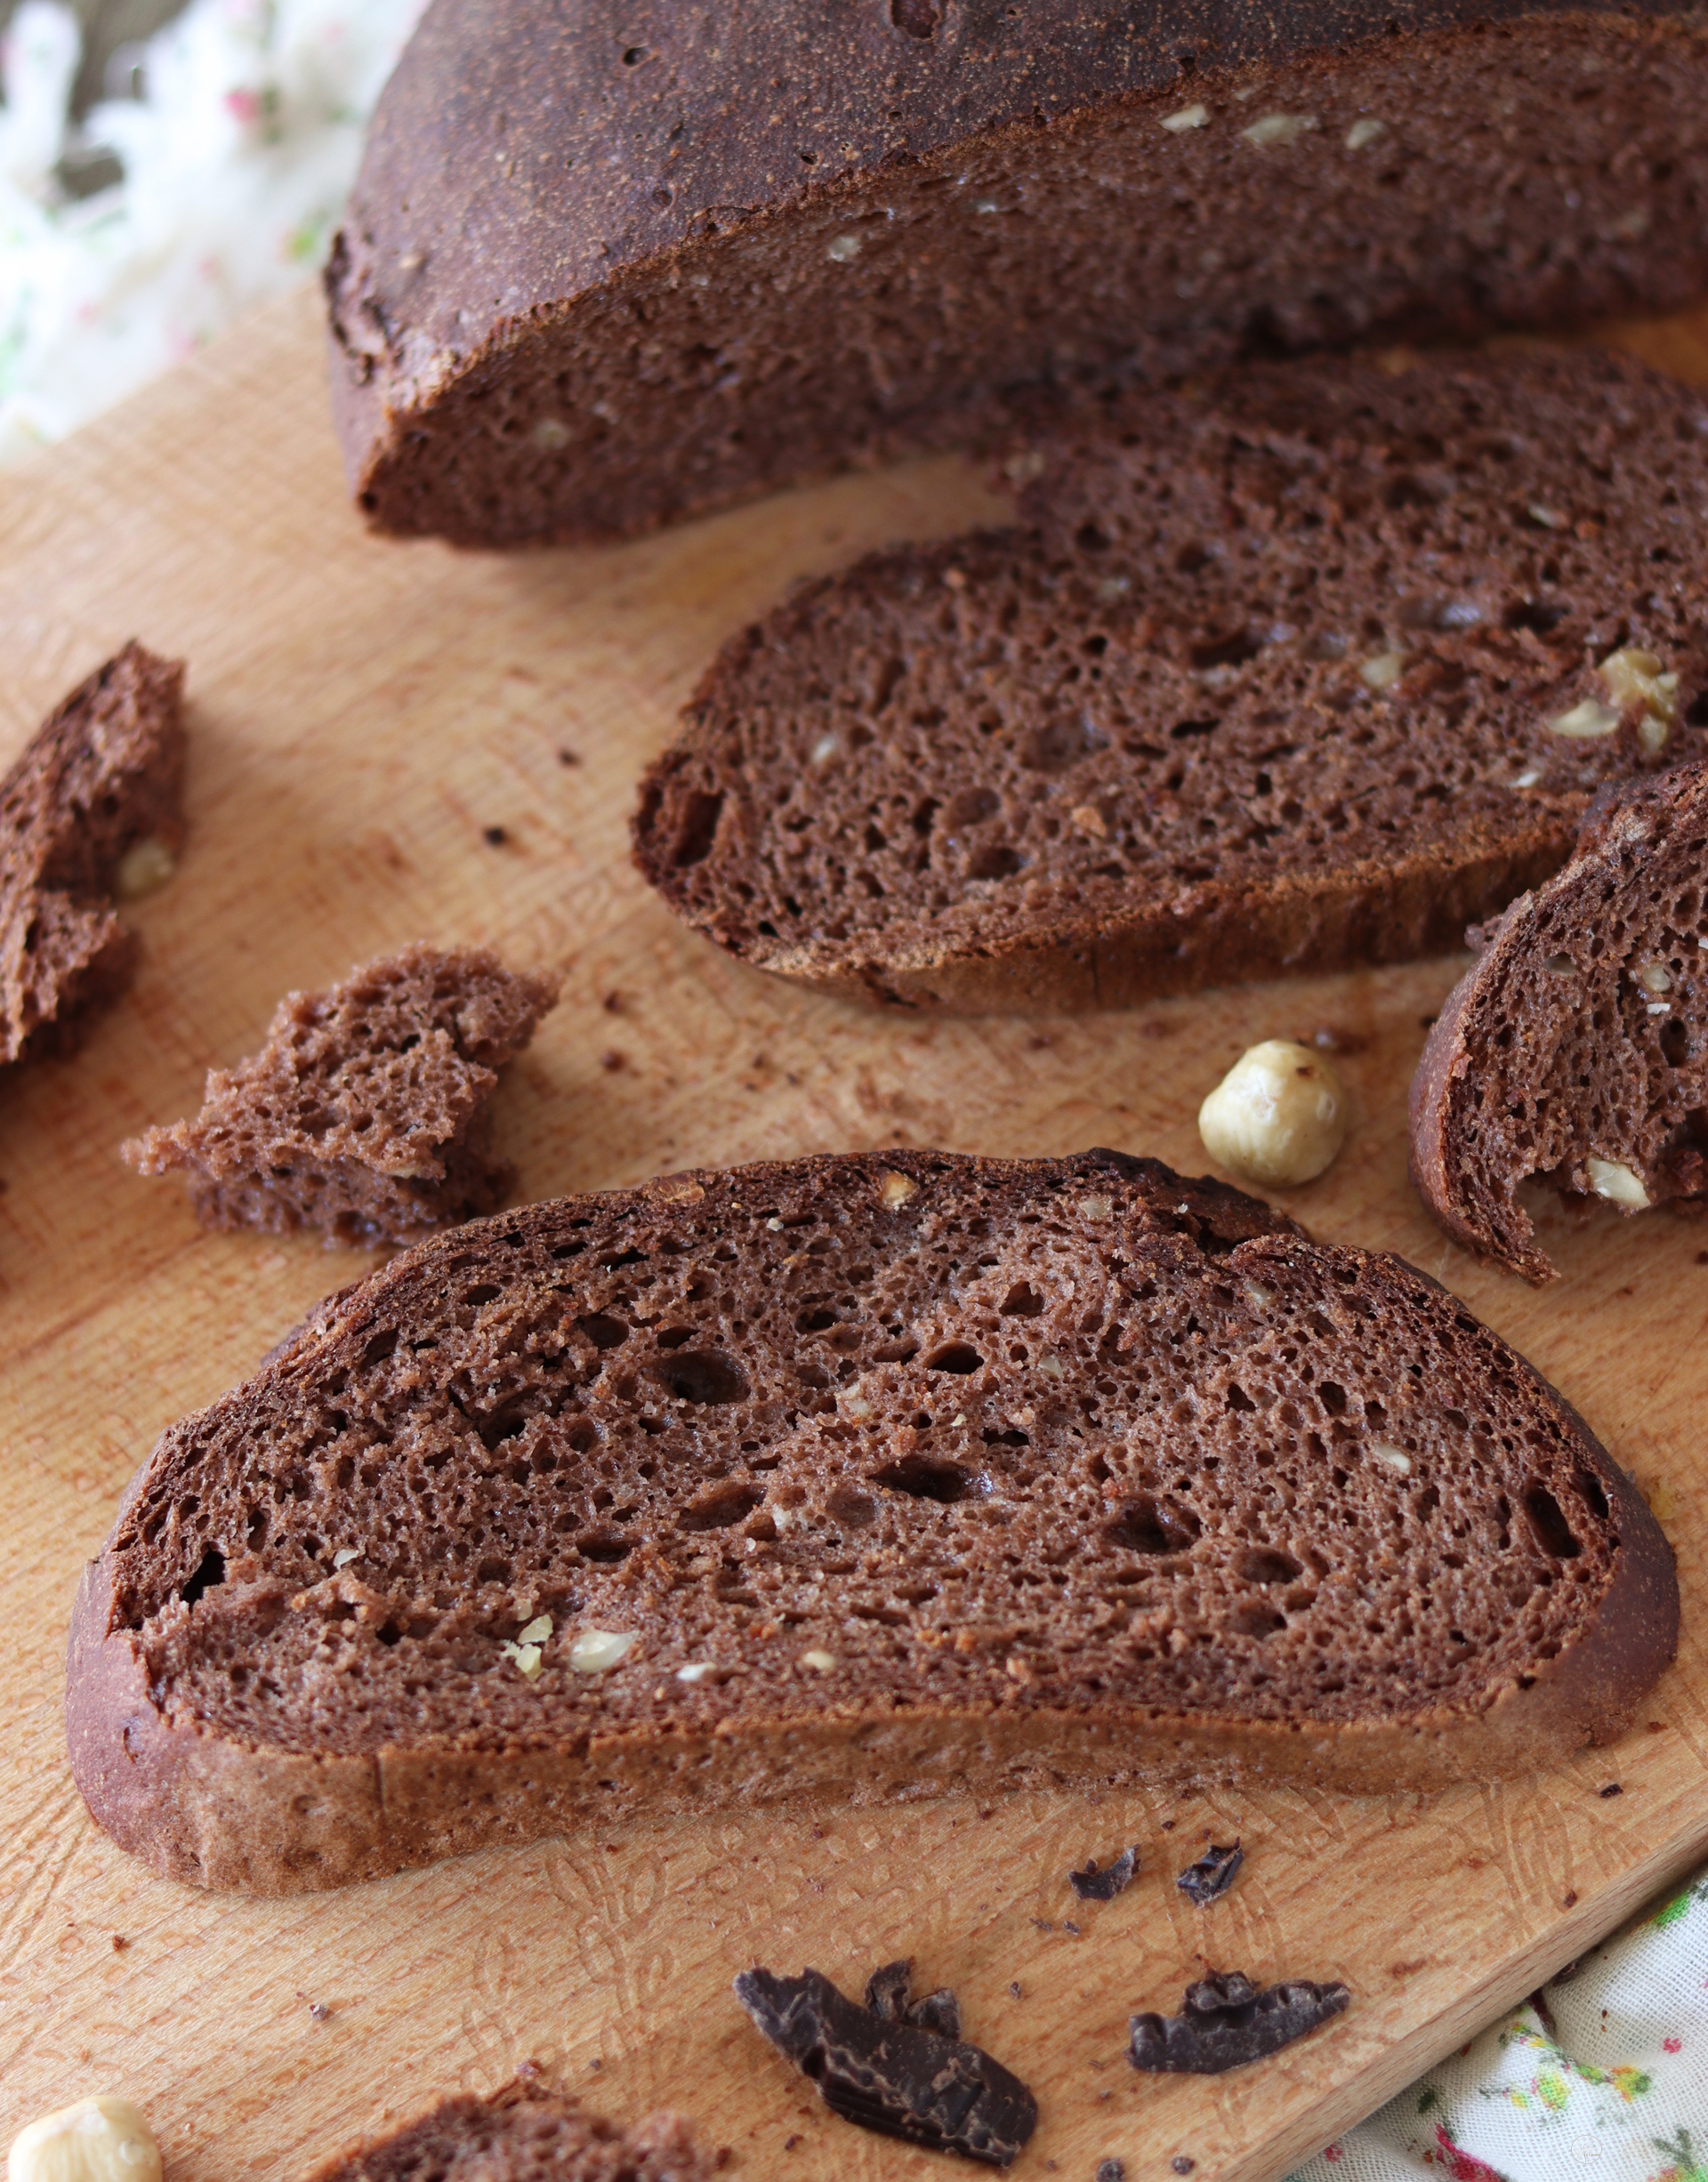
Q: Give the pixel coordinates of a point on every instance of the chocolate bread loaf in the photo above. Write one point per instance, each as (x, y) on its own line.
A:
(102, 775)
(364, 1112)
(1302, 670)
(524, 2134)
(859, 1476)
(604, 268)
(1576, 1050)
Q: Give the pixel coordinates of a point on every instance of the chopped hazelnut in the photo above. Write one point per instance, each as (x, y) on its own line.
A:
(596, 1651)
(821, 1663)
(1186, 117)
(1614, 1181)
(1635, 682)
(895, 1189)
(145, 868)
(1585, 722)
(845, 248)
(1279, 129)
(1364, 132)
(1383, 671)
(1390, 1457)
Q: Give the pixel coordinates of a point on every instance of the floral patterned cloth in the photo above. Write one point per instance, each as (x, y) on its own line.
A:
(237, 156)
(1603, 2073)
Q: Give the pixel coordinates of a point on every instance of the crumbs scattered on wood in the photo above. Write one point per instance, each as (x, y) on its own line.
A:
(1181, 2164)
(495, 836)
(891, 2075)
(610, 1061)
(1569, 1899)
(569, 757)
(1226, 2021)
(1092, 1885)
(1611, 1789)
(1014, 1990)
(1068, 1925)
(1111, 2170)
(119, 1943)
(1208, 1879)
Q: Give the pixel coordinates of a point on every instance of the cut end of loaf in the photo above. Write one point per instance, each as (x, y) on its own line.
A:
(899, 1474)
(844, 262)
(364, 1114)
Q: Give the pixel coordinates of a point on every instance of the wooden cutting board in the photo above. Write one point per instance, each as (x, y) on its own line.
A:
(393, 741)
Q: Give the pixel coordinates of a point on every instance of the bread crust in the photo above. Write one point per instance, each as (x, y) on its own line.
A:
(567, 200)
(214, 1809)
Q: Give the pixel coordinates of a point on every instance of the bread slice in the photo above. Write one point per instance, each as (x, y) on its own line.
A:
(596, 276)
(102, 774)
(1295, 672)
(1576, 1049)
(363, 1114)
(524, 2134)
(867, 1477)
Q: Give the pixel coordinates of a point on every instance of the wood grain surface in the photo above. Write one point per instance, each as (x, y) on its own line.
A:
(362, 715)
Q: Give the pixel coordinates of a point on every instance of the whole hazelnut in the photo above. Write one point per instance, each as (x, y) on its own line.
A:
(1277, 1117)
(97, 2140)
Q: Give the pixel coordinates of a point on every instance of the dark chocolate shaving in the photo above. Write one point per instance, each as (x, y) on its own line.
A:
(1210, 1878)
(892, 2076)
(1090, 1885)
(1226, 2021)
(887, 1992)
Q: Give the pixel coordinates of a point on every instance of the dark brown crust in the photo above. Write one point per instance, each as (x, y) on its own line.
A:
(104, 771)
(543, 191)
(1497, 1037)
(214, 1809)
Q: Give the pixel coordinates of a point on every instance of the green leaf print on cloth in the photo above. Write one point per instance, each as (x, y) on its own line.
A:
(1603, 2074)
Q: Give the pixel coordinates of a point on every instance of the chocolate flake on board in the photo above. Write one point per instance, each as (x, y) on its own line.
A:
(1210, 1878)
(889, 2074)
(1092, 1885)
(1225, 2021)
(886, 1996)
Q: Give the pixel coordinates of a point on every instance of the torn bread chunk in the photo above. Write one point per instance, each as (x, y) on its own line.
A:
(1575, 1050)
(363, 1114)
(90, 810)
(524, 2133)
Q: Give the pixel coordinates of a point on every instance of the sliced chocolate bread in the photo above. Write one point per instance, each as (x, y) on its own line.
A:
(102, 776)
(1576, 1050)
(599, 273)
(866, 1478)
(525, 2134)
(364, 1112)
(1305, 669)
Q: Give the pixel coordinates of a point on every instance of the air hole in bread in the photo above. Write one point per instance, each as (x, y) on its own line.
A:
(1265, 1566)
(603, 1330)
(955, 1357)
(924, 1479)
(604, 1547)
(716, 1511)
(210, 1571)
(697, 830)
(703, 1376)
(1553, 1533)
(1149, 1525)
